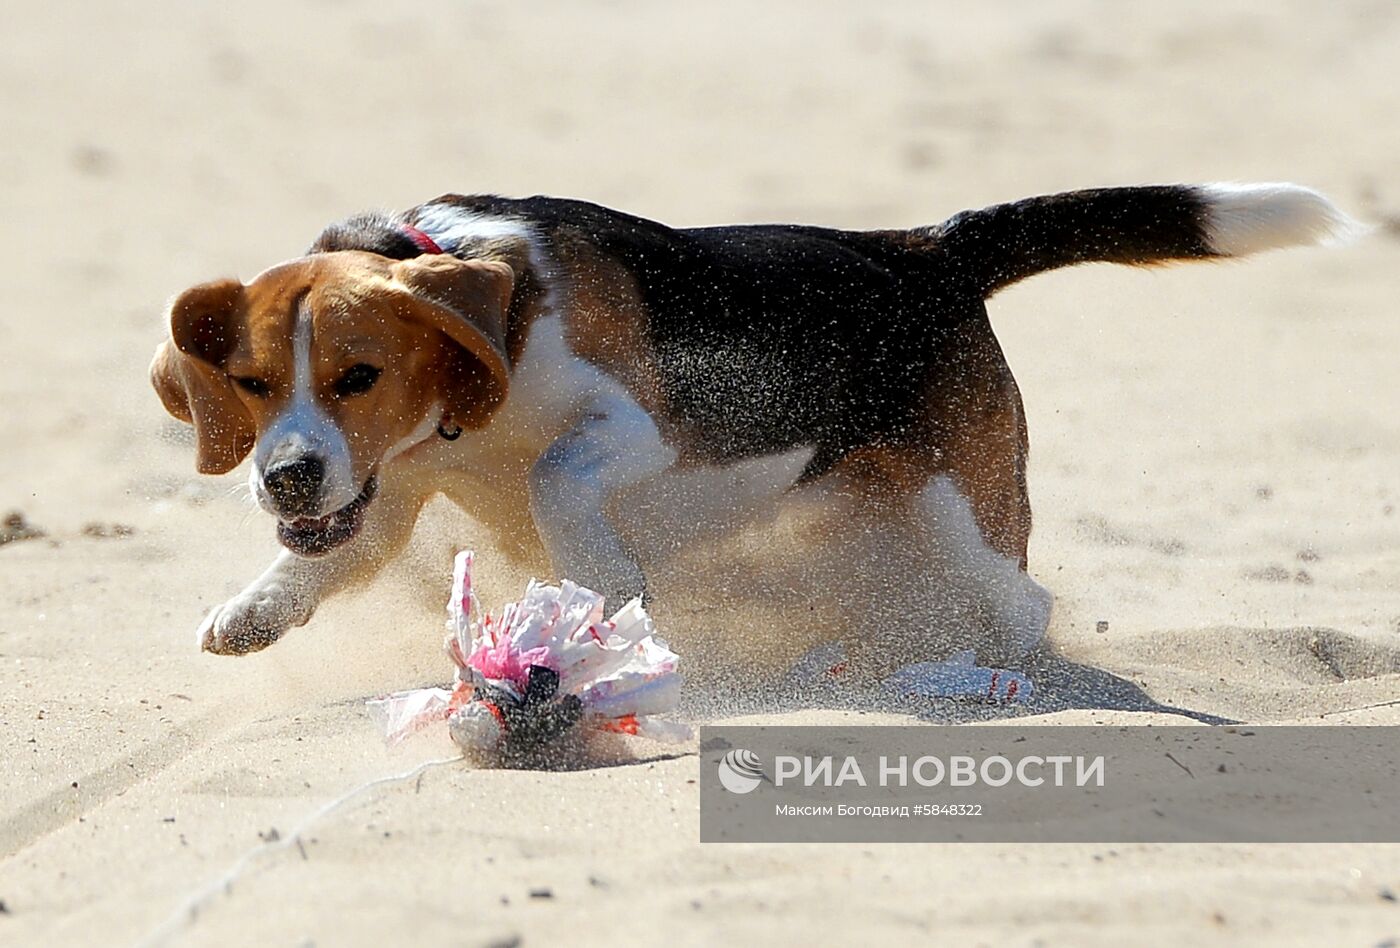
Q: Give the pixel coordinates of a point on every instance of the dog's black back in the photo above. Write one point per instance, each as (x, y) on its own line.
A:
(773, 336)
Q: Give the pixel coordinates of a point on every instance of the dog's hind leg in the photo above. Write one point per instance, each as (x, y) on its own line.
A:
(943, 553)
(974, 500)
(921, 583)
(1013, 609)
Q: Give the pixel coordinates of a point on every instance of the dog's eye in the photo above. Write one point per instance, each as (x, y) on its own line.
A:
(253, 386)
(357, 380)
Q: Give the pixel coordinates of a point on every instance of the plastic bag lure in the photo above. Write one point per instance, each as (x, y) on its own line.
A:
(548, 664)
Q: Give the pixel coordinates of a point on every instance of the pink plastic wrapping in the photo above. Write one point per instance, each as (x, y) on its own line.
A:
(619, 672)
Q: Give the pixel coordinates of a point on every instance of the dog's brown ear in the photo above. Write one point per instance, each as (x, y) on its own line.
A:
(468, 302)
(188, 374)
(169, 383)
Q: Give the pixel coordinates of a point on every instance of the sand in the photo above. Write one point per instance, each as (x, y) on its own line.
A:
(1214, 450)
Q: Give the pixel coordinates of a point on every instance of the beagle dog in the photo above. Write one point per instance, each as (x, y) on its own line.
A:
(535, 359)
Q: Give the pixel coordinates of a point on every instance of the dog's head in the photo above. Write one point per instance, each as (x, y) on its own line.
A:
(326, 366)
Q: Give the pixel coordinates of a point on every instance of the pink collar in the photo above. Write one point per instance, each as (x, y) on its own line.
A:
(421, 240)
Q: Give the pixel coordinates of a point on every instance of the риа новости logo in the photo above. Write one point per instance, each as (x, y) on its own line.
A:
(739, 771)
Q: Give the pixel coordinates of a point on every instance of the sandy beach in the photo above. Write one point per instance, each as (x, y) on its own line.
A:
(1214, 453)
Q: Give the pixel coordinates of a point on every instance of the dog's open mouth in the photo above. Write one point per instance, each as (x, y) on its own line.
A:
(313, 536)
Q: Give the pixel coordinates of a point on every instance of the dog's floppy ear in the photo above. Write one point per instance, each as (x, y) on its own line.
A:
(468, 302)
(188, 374)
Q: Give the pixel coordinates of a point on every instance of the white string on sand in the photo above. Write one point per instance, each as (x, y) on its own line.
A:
(1363, 707)
(189, 909)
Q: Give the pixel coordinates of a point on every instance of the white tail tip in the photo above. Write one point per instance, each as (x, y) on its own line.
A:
(1242, 219)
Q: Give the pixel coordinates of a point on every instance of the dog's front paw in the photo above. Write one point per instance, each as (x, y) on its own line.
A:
(249, 622)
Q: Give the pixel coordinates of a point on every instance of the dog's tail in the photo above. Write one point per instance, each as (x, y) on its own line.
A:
(998, 245)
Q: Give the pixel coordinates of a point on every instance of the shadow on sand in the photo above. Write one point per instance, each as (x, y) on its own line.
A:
(1060, 685)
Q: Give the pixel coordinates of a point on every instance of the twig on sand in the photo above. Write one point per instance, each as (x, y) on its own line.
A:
(1182, 766)
(189, 909)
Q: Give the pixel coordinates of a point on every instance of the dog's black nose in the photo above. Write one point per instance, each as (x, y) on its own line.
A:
(295, 486)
